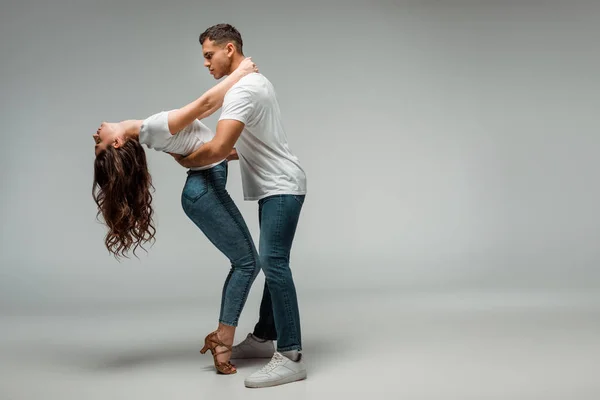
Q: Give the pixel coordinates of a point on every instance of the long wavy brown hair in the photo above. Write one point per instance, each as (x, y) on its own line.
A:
(122, 190)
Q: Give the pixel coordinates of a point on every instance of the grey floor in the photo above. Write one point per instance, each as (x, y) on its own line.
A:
(406, 346)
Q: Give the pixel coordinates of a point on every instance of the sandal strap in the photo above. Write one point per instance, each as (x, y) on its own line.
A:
(215, 342)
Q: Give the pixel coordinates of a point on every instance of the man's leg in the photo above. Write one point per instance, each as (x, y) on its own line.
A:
(279, 217)
(265, 327)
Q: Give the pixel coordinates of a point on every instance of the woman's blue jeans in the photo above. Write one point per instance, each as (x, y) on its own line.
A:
(207, 203)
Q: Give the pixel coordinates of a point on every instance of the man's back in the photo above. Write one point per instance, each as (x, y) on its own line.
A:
(267, 163)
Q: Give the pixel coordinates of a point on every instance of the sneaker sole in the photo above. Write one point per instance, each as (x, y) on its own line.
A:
(289, 379)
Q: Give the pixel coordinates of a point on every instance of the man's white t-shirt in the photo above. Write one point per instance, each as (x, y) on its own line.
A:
(155, 134)
(267, 164)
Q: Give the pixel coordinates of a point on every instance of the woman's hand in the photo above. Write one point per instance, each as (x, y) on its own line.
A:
(247, 66)
(210, 101)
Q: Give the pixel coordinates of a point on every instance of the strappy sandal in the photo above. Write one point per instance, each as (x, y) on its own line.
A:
(211, 342)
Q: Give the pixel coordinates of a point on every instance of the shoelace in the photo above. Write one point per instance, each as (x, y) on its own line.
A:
(275, 362)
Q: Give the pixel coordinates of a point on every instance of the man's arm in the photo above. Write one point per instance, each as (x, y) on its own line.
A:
(210, 101)
(219, 148)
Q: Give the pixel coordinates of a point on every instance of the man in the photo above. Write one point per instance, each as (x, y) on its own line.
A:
(272, 175)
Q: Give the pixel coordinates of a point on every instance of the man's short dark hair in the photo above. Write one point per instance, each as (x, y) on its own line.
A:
(223, 33)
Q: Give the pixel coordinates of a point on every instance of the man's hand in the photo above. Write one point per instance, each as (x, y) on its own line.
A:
(183, 161)
(215, 150)
(233, 155)
(180, 159)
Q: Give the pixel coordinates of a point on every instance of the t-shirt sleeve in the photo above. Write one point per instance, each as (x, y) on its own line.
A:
(238, 105)
(154, 131)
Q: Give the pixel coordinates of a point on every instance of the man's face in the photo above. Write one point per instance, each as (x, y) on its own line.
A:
(217, 58)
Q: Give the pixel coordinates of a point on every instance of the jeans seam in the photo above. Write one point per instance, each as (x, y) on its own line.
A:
(226, 284)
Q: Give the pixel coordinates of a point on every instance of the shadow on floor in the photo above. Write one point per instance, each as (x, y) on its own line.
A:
(318, 354)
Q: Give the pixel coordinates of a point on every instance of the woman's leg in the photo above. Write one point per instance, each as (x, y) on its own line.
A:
(207, 203)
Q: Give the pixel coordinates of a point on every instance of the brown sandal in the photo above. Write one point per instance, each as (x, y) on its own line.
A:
(211, 342)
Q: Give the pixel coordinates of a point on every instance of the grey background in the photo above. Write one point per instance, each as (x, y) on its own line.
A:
(449, 244)
(448, 145)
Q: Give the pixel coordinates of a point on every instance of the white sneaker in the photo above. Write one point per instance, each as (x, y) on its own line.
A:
(251, 347)
(278, 371)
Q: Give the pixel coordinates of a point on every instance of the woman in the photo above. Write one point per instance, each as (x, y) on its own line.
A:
(122, 190)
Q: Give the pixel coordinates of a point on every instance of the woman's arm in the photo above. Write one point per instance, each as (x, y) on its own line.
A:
(210, 101)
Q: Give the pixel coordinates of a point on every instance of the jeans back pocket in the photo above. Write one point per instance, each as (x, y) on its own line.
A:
(196, 186)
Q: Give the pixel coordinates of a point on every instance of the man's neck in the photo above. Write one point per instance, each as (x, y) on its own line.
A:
(237, 59)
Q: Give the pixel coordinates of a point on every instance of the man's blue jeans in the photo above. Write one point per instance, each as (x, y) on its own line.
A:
(207, 203)
(279, 313)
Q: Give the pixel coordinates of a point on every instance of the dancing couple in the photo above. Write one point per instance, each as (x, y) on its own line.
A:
(249, 130)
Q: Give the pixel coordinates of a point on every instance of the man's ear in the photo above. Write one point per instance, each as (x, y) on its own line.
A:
(230, 47)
